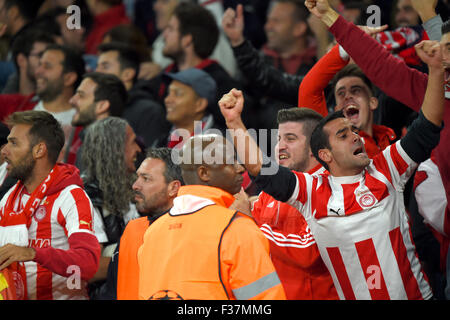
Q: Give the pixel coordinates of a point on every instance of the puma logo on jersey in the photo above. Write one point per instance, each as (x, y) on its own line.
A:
(335, 212)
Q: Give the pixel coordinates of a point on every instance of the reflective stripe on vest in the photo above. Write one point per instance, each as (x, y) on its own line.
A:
(256, 287)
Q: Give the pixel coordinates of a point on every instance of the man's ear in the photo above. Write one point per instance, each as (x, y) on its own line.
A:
(300, 28)
(203, 174)
(102, 107)
(39, 150)
(69, 78)
(186, 40)
(127, 74)
(325, 155)
(373, 103)
(173, 187)
(201, 104)
(22, 61)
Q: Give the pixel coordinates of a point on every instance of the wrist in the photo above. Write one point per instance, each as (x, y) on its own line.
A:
(235, 124)
(426, 15)
(32, 254)
(329, 17)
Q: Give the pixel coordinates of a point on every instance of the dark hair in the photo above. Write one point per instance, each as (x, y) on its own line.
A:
(73, 61)
(44, 127)
(172, 171)
(300, 13)
(446, 27)
(110, 88)
(24, 42)
(112, 2)
(352, 70)
(132, 36)
(308, 117)
(28, 9)
(320, 139)
(128, 57)
(201, 24)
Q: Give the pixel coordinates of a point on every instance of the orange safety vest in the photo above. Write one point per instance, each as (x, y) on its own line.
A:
(187, 249)
(128, 269)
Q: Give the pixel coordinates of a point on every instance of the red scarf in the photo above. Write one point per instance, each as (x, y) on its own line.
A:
(11, 217)
(13, 278)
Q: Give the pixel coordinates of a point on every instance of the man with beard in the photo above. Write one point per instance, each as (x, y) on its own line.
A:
(356, 212)
(157, 184)
(109, 146)
(58, 74)
(48, 209)
(190, 37)
(27, 50)
(209, 252)
(97, 97)
(406, 85)
(293, 249)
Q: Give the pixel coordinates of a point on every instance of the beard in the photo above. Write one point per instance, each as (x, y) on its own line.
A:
(153, 204)
(22, 171)
(50, 91)
(85, 117)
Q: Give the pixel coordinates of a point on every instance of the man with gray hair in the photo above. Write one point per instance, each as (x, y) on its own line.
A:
(109, 155)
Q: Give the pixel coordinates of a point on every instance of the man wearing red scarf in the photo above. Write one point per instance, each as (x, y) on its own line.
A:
(46, 218)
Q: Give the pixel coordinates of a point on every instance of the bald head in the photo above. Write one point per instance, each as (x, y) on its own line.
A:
(210, 160)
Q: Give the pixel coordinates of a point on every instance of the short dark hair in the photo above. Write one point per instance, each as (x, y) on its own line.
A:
(172, 171)
(446, 27)
(73, 61)
(44, 127)
(307, 116)
(320, 139)
(128, 57)
(110, 88)
(28, 9)
(352, 70)
(130, 35)
(201, 24)
(300, 13)
(24, 42)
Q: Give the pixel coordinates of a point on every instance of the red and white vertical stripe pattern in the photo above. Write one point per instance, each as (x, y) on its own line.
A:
(361, 228)
(58, 216)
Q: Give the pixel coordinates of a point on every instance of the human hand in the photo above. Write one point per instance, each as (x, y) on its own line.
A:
(231, 105)
(10, 253)
(242, 203)
(425, 8)
(372, 31)
(148, 70)
(317, 7)
(322, 10)
(430, 53)
(233, 25)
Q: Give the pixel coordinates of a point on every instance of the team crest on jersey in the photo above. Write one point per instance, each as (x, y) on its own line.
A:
(40, 214)
(367, 200)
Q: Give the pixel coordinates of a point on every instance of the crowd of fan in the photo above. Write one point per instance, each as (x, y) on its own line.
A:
(136, 77)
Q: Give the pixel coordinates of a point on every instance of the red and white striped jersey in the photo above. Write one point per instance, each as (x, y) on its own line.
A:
(361, 228)
(293, 249)
(59, 216)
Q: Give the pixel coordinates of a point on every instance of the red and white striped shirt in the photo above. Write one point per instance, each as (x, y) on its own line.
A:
(361, 228)
(60, 215)
(293, 249)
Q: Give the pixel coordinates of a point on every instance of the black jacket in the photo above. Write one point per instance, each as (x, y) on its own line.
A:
(264, 76)
(146, 116)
